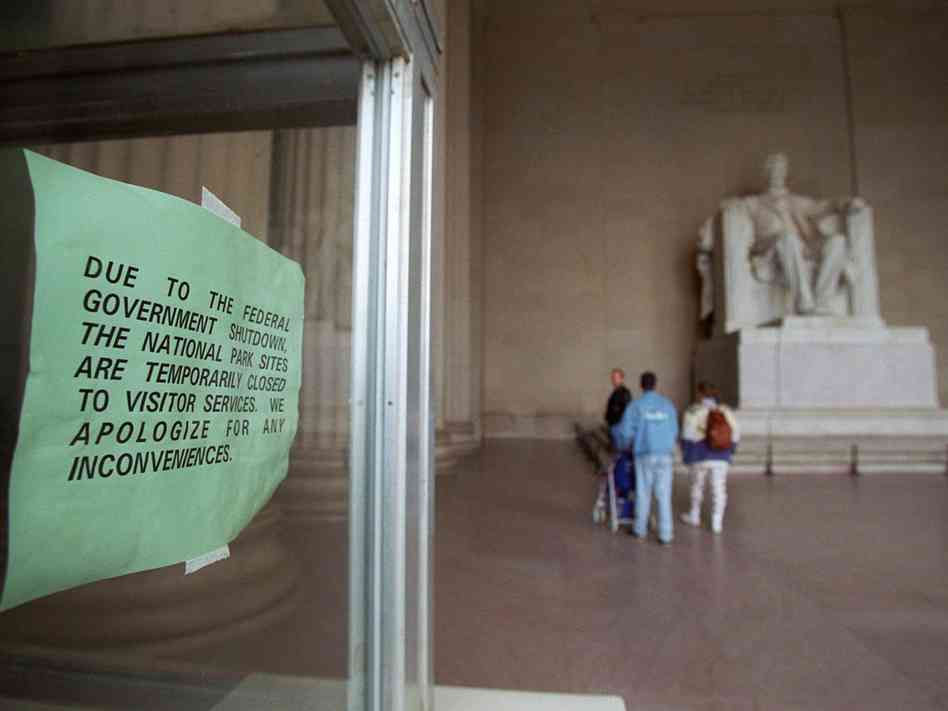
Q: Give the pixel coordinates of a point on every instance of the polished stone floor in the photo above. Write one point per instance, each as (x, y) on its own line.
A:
(823, 592)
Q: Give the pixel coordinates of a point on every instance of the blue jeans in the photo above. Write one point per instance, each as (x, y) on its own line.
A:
(653, 475)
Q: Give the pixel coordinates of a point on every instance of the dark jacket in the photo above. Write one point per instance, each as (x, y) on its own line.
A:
(616, 406)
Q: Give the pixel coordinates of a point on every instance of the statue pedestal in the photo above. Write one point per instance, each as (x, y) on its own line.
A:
(815, 362)
(830, 394)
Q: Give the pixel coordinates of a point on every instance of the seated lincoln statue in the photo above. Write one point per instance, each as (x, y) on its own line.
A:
(770, 256)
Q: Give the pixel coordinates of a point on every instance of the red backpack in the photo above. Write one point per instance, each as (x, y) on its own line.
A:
(720, 437)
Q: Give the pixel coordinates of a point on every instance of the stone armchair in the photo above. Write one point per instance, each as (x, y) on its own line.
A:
(735, 292)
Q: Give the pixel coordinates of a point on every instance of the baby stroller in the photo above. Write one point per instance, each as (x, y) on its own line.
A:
(615, 503)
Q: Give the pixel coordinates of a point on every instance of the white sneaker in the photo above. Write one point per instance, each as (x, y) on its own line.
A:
(716, 526)
(691, 519)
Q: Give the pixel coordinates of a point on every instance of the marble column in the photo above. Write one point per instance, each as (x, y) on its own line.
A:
(234, 166)
(458, 385)
(163, 611)
(311, 222)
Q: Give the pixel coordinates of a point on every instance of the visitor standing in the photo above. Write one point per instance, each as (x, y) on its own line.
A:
(710, 434)
(619, 398)
(650, 428)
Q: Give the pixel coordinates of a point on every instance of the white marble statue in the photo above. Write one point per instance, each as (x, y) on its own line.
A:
(783, 254)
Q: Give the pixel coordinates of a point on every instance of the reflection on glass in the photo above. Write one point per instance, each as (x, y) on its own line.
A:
(269, 624)
(37, 24)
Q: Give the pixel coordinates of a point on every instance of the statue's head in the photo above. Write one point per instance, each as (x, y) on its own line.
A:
(776, 168)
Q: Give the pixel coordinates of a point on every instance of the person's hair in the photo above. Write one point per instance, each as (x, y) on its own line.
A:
(648, 380)
(702, 388)
(712, 391)
(619, 371)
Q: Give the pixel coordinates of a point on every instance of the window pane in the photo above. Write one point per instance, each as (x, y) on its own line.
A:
(269, 624)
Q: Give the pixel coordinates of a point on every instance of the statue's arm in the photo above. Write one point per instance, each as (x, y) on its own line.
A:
(819, 208)
(849, 205)
(706, 237)
(815, 209)
(703, 265)
(856, 204)
(734, 202)
(706, 231)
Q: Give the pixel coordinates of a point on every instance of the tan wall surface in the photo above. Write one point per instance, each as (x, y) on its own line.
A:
(603, 8)
(459, 350)
(607, 140)
(478, 86)
(900, 100)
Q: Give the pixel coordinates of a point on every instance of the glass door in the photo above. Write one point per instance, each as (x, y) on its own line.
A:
(321, 595)
(270, 616)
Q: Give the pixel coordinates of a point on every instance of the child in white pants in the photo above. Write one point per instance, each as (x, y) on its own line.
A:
(700, 472)
(704, 461)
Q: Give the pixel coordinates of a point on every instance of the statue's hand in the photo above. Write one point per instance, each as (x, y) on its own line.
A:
(703, 262)
(763, 245)
(851, 272)
(856, 204)
(763, 269)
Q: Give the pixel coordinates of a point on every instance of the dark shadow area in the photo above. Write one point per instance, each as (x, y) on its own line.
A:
(17, 213)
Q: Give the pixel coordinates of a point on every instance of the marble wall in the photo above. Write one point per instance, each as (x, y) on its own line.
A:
(900, 112)
(312, 193)
(612, 128)
(457, 291)
(458, 210)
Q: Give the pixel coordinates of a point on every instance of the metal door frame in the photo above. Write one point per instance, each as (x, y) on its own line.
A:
(391, 643)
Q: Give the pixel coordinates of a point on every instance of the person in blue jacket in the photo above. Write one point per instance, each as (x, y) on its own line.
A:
(649, 427)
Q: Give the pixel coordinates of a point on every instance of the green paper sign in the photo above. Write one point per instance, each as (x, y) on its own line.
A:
(163, 387)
